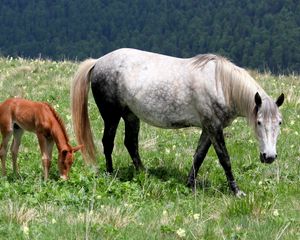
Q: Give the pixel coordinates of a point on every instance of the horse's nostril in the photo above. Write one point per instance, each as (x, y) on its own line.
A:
(275, 155)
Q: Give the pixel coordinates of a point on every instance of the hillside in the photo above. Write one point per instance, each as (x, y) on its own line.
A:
(254, 34)
(155, 204)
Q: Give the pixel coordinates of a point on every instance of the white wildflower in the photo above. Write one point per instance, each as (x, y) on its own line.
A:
(181, 232)
(196, 216)
(275, 213)
(25, 229)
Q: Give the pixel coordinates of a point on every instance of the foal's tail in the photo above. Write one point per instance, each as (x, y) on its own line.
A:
(79, 104)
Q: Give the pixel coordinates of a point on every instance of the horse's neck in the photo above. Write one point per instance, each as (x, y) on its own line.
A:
(240, 94)
(245, 102)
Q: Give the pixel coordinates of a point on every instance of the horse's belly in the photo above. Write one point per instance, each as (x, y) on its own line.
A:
(162, 103)
(164, 115)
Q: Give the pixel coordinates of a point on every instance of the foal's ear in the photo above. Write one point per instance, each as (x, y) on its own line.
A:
(257, 100)
(280, 100)
(75, 149)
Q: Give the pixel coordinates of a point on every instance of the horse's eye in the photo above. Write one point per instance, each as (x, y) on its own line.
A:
(280, 123)
(258, 122)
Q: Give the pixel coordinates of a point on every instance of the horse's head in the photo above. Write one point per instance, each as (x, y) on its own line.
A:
(66, 159)
(267, 123)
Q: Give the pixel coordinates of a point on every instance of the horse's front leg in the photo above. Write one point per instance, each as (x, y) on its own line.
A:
(219, 144)
(45, 154)
(202, 149)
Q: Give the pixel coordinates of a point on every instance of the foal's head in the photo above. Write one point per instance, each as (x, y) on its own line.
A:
(267, 123)
(66, 159)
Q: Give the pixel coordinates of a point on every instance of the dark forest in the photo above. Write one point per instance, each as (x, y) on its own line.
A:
(264, 35)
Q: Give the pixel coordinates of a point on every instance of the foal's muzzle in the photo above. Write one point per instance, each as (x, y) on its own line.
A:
(267, 159)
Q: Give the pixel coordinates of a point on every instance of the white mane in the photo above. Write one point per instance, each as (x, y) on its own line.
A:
(238, 86)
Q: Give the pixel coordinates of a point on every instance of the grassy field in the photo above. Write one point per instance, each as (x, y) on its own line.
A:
(154, 204)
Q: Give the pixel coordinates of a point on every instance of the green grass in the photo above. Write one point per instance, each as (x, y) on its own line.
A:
(154, 204)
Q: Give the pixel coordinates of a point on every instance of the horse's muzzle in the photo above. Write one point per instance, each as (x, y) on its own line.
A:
(265, 159)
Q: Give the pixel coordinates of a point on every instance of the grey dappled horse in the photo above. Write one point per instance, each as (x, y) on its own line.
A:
(206, 91)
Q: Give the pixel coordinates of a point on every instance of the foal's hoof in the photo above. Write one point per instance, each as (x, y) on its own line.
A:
(95, 170)
(63, 177)
(240, 194)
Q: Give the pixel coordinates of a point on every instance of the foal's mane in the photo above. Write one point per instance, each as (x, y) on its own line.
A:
(59, 120)
(237, 85)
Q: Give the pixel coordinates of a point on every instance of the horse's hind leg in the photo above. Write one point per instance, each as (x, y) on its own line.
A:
(110, 127)
(17, 134)
(132, 127)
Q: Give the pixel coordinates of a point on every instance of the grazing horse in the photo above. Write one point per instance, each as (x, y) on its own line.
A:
(17, 115)
(206, 91)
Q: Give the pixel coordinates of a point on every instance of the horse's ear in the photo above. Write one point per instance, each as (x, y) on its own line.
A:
(280, 100)
(257, 100)
(75, 149)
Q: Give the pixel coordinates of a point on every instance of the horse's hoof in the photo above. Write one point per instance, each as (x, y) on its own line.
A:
(191, 185)
(140, 169)
(240, 194)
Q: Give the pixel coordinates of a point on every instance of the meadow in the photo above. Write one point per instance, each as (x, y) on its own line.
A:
(155, 204)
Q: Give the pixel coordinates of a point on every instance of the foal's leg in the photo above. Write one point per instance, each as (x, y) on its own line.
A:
(132, 128)
(50, 144)
(202, 149)
(6, 134)
(17, 134)
(45, 154)
(221, 150)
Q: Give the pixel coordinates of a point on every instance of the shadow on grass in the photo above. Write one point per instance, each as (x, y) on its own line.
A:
(129, 174)
(163, 174)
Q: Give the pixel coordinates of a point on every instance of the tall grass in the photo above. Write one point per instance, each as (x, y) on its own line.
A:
(154, 204)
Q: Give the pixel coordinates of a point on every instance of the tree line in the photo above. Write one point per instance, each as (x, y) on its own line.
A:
(252, 33)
